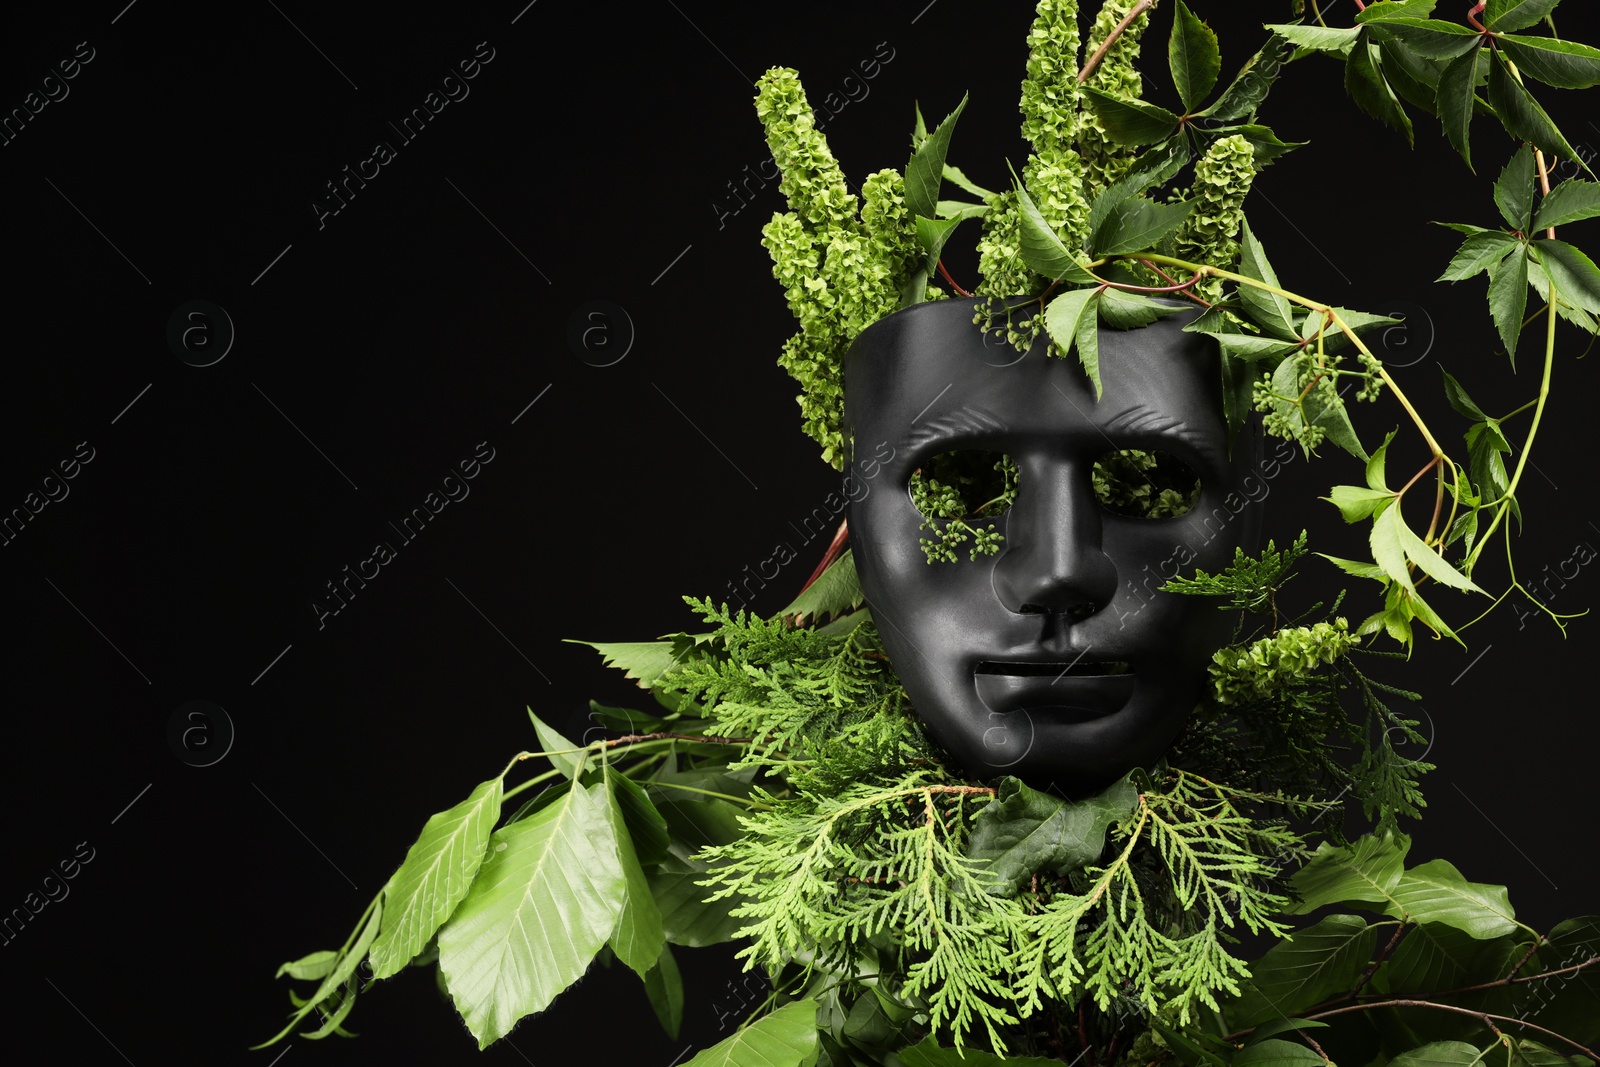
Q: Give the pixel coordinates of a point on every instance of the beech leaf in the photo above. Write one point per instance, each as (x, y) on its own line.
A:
(785, 1038)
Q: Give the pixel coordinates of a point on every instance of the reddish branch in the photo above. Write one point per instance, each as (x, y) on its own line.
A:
(953, 283)
(841, 537)
(1111, 38)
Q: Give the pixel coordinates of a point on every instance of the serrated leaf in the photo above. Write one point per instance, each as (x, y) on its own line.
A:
(1276, 1052)
(1193, 57)
(1432, 38)
(1336, 39)
(1458, 398)
(1355, 502)
(1131, 122)
(1042, 248)
(955, 176)
(545, 901)
(1456, 99)
(1508, 299)
(1023, 831)
(1431, 563)
(1331, 414)
(311, 967)
(925, 169)
(1088, 345)
(961, 209)
(663, 984)
(1266, 144)
(1413, 78)
(1062, 314)
(1435, 892)
(434, 877)
(1269, 310)
(1375, 474)
(1357, 568)
(1441, 1054)
(1575, 275)
(836, 591)
(1572, 200)
(1503, 16)
(1250, 86)
(1130, 311)
(1364, 81)
(1521, 114)
(1138, 224)
(1388, 546)
(1315, 964)
(1393, 9)
(643, 661)
(1249, 347)
(1364, 871)
(1564, 64)
(1513, 190)
(638, 939)
(1166, 160)
(785, 1038)
(1477, 254)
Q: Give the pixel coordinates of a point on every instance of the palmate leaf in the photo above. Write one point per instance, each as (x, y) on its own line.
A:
(1572, 200)
(1508, 299)
(1364, 81)
(545, 901)
(1521, 114)
(1025, 831)
(1564, 64)
(785, 1038)
(434, 878)
(1477, 254)
(1317, 963)
(1513, 190)
(1503, 16)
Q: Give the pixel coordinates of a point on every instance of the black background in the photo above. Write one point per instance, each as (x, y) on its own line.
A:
(375, 351)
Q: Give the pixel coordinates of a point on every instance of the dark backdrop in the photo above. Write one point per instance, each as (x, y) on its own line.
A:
(376, 347)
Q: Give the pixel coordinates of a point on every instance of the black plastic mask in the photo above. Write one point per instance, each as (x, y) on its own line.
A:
(1056, 659)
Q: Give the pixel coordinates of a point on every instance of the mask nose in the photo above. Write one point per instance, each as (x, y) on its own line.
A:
(1053, 561)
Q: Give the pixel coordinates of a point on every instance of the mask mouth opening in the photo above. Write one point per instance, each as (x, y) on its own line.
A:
(1078, 668)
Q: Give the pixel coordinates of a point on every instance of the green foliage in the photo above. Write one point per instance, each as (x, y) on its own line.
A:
(1210, 234)
(1286, 657)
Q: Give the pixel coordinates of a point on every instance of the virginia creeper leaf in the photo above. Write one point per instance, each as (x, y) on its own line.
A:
(1336, 39)
(1575, 275)
(1521, 114)
(925, 170)
(1138, 224)
(1503, 16)
(1364, 81)
(1477, 254)
(1564, 64)
(1062, 314)
(1570, 201)
(1129, 311)
(1513, 190)
(1250, 86)
(1356, 503)
(1508, 299)
(1455, 100)
(1459, 399)
(1193, 57)
(1433, 38)
(1269, 310)
(1131, 122)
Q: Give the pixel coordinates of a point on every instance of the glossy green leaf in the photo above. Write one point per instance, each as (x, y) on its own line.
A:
(785, 1038)
(1062, 314)
(1513, 190)
(1413, 78)
(1266, 144)
(1441, 1054)
(1503, 16)
(1357, 502)
(545, 901)
(1364, 81)
(1521, 114)
(563, 755)
(1138, 224)
(1432, 38)
(663, 984)
(647, 828)
(310, 968)
(954, 176)
(624, 720)
(686, 917)
(1276, 1052)
(1572, 200)
(925, 169)
(961, 209)
(1435, 892)
(1458, 398)
(1317, 963)
(1042, 248)
(1193, 57)
(1269, 310)
(1131, 122)
(1396, 9)
(1477, 254)
(1455, 101)
(1278, 1026)
(1331, 414)
(1375, 473)
(1163, 162)
(643, 661)
(1129, 311)
(1436, 956)
(1357, 568)
(1336, 39)
(1388, 546)
(345, 999)
(1575, 275)
(1508, 299)
(638, 938)
(836, 591)
(1250, 86)
(1087, 342)
(1023, 831)
(434, 878)
(1564, 64)
(1569, 1003)
(1248, 346)
(1364, 871)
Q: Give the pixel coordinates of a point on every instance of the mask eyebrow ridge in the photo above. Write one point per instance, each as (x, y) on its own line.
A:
(966, 419)
(1144, 420)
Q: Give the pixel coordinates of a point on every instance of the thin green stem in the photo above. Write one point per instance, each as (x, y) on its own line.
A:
(530, 783)
(754, 805)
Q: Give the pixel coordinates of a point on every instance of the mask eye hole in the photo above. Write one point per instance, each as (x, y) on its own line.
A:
(1139, 484)
(959, 493)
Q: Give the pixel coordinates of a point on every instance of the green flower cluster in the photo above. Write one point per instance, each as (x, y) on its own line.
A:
(1252, 672)
(1222, 179)
(840, 272)
(1105, 162)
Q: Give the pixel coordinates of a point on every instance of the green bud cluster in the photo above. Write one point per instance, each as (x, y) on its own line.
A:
(1222, 179)
(840, 272)
(1254, 671)
(1105, 162)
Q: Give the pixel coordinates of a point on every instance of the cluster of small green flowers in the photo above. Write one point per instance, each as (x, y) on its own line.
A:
(1371, 382)
(840, 274)
(1222, 178)
(1252, 672)
(947, 505)
(1105, 162)
(1123, 484)
(1284, 416)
